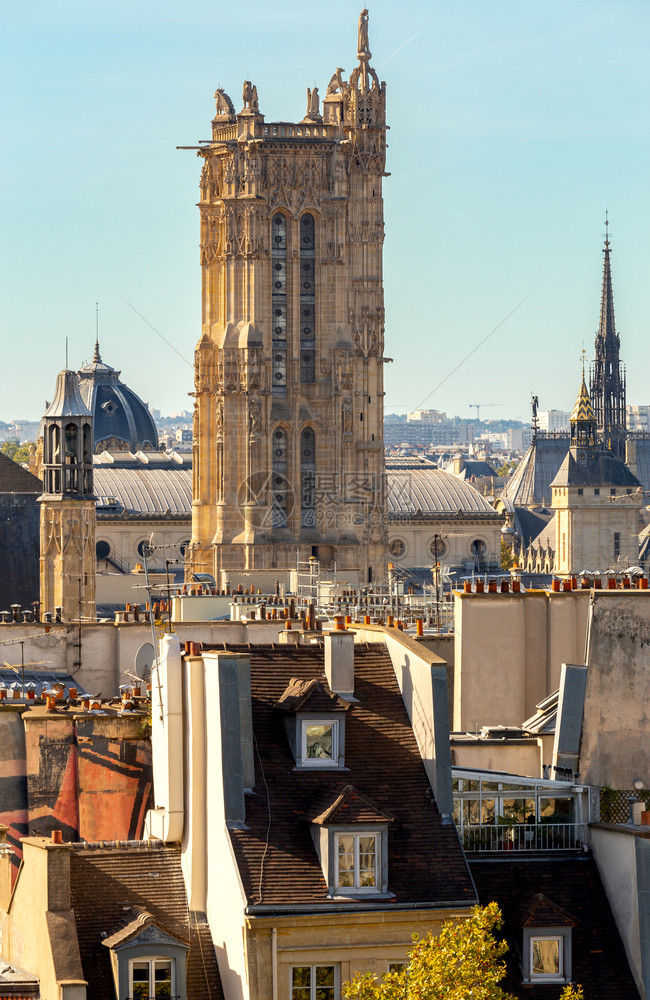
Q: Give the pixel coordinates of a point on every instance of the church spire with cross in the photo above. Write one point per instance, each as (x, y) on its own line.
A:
(608, 374)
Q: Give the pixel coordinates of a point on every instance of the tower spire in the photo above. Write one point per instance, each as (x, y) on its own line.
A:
(96, 357)
(608, 377)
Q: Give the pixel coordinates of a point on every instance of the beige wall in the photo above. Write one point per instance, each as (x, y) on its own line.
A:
(124, 536)
(358, 943)
(38, 929)
(457, 536)
(109, 649)
(615, 750)
(510, 757)
(586, 526)
(615, 854)
(509, 650)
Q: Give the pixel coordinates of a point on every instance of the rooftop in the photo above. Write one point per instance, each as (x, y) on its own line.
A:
(106, 882)
(278, 863)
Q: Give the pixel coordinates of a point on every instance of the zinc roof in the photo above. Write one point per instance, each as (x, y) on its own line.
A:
(144, 490)
(432, 492)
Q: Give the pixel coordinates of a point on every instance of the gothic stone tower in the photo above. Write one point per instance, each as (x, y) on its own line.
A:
(67, 503)
(288, 426)
(608, 376)
(596, 500)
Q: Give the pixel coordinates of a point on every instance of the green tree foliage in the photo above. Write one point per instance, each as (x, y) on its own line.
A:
(16, 452)
(507, 468)
(463, 961)
(507, 558)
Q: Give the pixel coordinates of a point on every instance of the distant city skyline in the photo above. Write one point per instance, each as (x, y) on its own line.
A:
(514, 126)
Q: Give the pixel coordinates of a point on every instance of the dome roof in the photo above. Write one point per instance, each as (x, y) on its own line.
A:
(121, 421)
(432, 492)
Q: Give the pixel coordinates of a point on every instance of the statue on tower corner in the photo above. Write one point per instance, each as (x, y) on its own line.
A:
(313, 110)
(224, 104)
(250, 96)
(362, 46)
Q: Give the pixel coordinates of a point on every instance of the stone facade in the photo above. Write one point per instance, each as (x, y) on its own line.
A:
(68, 557)
(288, 419)
(67, 543)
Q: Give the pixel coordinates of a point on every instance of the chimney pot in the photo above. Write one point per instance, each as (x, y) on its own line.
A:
(57, 837)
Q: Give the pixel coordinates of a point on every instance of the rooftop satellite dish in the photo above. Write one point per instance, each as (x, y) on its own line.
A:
(144, 659)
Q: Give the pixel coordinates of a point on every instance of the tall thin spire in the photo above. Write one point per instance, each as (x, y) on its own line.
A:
(608, 377)
(96, 357)
(607, 338)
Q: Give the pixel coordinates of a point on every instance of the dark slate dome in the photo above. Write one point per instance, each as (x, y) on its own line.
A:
(121, 421)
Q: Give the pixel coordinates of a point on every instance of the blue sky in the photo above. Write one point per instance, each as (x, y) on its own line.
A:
(514, 125)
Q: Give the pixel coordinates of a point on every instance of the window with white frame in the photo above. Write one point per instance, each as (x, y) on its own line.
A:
(152, 978)
(546, 958)
(357, 859)
(319, 743)
(314, 982)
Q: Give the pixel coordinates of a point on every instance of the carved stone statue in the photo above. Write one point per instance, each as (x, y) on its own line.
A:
(363, 32)
(336, 83)
(254, 418)
(346, 414)
(225, 106)
(312, 101)
(249, 95)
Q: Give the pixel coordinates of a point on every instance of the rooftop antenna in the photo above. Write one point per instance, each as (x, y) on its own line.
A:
(606, 230)
(96, 358)
(66, 353)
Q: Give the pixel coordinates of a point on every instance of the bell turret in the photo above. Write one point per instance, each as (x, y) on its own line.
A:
(583, 425)
(67, 504)
(67, 442)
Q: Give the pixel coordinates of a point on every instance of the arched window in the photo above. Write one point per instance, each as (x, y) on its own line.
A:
(307, 300)
(279, 304)
(279, 484)
(479, 552)
(308, 478)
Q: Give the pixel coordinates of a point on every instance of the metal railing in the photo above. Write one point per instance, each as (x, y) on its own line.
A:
(524, 837)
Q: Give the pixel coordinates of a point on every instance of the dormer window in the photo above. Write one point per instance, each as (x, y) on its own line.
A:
(357, 860)
(350, 833)
(546, 958)
(314, 721)
(547, 942)
(319, 743)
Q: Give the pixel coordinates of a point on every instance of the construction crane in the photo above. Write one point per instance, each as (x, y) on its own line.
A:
(477, 407)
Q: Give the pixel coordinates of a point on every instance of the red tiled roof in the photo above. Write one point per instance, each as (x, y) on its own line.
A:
(425, 860)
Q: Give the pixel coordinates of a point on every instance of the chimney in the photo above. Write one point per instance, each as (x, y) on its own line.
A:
(236, 724)
(339, 662)
(459, 464)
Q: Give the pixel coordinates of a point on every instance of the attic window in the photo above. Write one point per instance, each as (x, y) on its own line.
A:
(546, 958)
(152, 977)
(357, 861)
(319, 743)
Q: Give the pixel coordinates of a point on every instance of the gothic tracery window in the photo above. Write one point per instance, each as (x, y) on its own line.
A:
(279, 304)
(308, 478)
(279, 482)
(307, 299)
